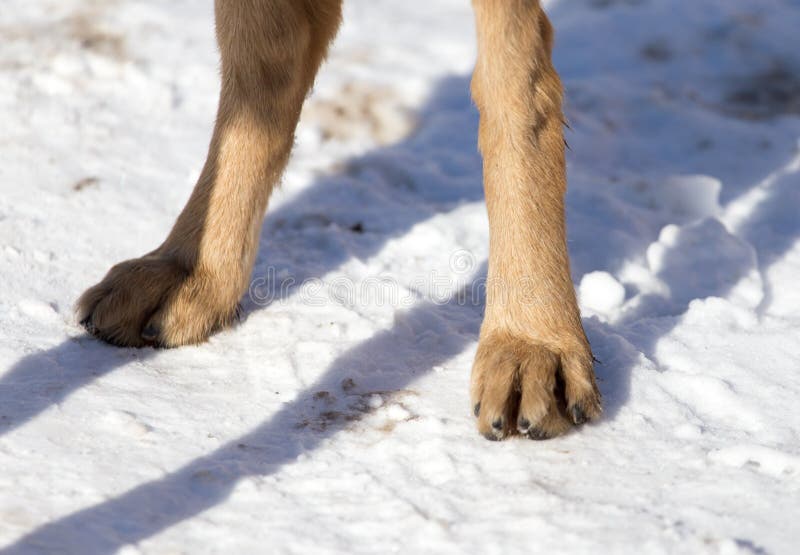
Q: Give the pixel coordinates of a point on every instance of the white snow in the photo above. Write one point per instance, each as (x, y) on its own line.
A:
(600, 294)
(335, 418)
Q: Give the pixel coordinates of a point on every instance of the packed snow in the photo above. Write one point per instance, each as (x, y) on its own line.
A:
(335, 417)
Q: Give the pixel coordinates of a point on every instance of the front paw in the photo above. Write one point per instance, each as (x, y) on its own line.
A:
(519, 386)
(155, 301)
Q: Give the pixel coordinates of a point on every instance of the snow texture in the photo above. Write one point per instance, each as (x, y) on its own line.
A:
(335, 418)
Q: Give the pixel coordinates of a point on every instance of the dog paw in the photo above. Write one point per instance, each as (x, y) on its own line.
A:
(156, 301)
(519, 387)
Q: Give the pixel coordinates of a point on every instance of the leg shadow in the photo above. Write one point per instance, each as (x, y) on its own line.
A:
(209, 480)
(631, 83)
(382, 191)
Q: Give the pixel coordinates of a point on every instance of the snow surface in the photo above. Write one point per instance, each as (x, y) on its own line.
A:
(335, 418)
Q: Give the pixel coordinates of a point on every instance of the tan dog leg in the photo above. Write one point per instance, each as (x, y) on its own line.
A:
(533, 372)
(190, 285)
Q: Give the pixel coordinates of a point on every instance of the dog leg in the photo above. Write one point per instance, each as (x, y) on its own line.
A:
(533, 372)
(190, 285)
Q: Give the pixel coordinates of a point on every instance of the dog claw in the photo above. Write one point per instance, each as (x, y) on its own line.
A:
(89, 326)
(537, 435)
(151, 333)
(578, 415)
(497, 425)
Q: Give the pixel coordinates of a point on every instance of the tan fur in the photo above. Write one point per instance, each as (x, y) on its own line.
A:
(532, 321)
(190, 285)
(533, 371)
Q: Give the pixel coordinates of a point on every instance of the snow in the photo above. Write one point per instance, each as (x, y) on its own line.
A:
(600, 293)
(335, 417)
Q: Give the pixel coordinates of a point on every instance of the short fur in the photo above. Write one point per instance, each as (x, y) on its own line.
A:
(533, 372)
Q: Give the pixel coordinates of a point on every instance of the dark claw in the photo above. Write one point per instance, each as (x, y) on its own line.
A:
(523, 425)
(537, 435)
(491, 437)
(578, 416)
(151, 333)
(89, 326)
(476, 410)
(497, 425)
